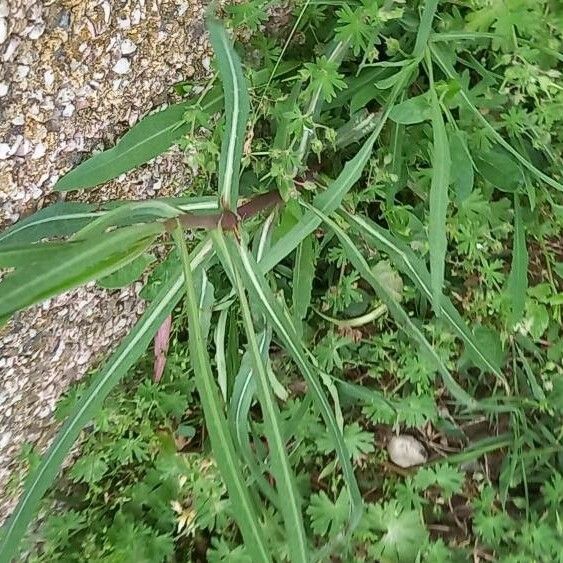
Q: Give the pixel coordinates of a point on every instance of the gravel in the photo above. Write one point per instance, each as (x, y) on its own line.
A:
(73, 77)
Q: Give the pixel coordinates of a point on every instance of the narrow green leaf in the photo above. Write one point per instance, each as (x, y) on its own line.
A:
(289, 500)
(517, 283)
(303, 274)
(412, 111)
(100, 257)
(244, 390)
(415, 268)
(127, 274)
(330, 199)
(461, 170)
(266, 302)
(151, 136)
(26, 255)
(500, 169)
(243, 509)
(438, 199)
(451, 73)
(424, 28)
(237, 107)
(399, 314)
(65, 219)
(131, 348)
(220, 356)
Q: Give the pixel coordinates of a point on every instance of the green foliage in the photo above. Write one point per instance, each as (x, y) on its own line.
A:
(371, 245)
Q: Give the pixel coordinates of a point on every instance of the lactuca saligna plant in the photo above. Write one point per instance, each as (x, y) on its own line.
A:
(69, 244)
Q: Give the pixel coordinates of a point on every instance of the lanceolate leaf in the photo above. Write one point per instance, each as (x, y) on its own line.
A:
(221, 441)
(303, 274)
(289, 500)
(236, 110)
(266, 302)
(517, 284)
(132, 347)
(151, 136)
(438, 200)
(415, 268)
(65, 219)
(425, 28)
(399, 314)
(98, 258)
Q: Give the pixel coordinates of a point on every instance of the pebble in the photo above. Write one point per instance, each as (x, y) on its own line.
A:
(406, 451)
(4, 151)
(3, 30)
(128, 47)
(3, 89)
(122, 66)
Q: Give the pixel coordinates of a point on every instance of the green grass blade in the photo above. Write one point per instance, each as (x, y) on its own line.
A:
(132, 347)
(438, 199)
(329, 200)
(424, 28)
(266, 302)
(151, 136)
(415, 268)
(26, 255)
(399, 314)
(244, 390)
(517, 284)
(289, 501)
(100, 257)
(237, 107)
(450, 73)
(243, 509)
(303, 274)
(65, 219)
(220, 356)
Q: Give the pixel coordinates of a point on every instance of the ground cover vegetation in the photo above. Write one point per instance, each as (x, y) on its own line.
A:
(371, 247)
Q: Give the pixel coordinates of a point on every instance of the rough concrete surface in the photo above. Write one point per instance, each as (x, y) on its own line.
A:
(74, 75)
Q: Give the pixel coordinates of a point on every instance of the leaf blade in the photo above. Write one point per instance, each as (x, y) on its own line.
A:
(85, 262)
(150, 137)
(237, 107)
(517, 283)
(438, 198)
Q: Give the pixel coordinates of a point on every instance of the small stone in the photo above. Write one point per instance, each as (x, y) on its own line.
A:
(39, 151)
(21, 72)
(64, 19)
(4, 9)
(68, 110)
(3, 89)
(36, 31)
(4, 151)
(128, 47)
(122, 66)
(49, 78)
(3, 30)
(406, 451)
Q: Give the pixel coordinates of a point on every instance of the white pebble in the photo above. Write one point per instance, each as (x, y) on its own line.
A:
(68, 110)
(122, 66)
(406, 451)
(37, 31)
(39, 151)
(4, 151)
(3, 30)
(49, 78)
(4, 10)
(3, 89)
(128, 47)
